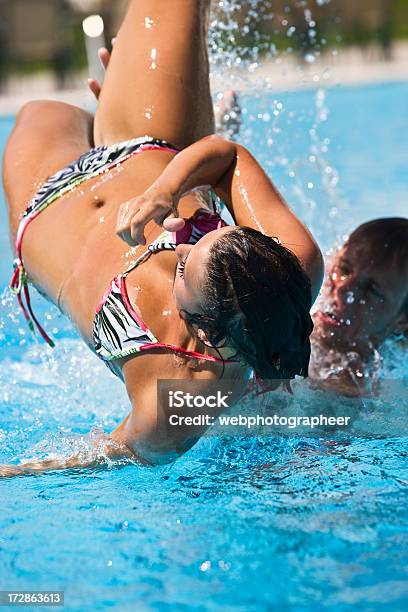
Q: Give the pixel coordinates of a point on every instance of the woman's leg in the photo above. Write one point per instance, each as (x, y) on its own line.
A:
(157, 82)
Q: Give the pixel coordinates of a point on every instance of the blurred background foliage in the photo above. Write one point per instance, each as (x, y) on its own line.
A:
(39, 35)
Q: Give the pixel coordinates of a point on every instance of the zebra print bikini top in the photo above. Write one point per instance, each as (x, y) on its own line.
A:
(118, 330)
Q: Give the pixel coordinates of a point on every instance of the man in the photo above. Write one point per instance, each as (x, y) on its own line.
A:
(364, 302)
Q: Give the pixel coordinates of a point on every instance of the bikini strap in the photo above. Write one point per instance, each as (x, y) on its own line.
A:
(19, 286)
(178, 349)
(141, 259)
(19, 283)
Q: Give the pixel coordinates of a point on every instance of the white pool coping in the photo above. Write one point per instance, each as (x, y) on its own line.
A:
(348, 67)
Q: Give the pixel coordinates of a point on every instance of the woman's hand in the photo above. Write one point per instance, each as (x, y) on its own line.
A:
(133, 215)
(197, 166)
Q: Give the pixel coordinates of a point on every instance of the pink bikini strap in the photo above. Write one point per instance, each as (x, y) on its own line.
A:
(20, 287)
(178, 349)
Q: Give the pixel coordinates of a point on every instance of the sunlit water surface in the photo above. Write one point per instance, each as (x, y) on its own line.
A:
(237, 523)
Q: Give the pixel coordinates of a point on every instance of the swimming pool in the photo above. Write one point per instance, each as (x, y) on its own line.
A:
(238, 523)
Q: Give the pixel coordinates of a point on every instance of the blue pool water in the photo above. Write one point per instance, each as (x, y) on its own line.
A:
(251, 523)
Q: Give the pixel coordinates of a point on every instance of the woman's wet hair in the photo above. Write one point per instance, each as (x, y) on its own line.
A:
(256, 299)
(385, 243)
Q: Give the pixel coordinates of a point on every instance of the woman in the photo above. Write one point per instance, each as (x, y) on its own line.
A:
(244, 301)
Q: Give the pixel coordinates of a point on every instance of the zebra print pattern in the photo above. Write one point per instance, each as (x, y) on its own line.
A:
(89, 165)
(116, 332)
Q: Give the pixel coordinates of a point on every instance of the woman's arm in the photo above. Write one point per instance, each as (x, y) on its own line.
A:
(159, 430)
(104, 448)
(245, 188)
(154, 433)
(203, 163)
(255, 202)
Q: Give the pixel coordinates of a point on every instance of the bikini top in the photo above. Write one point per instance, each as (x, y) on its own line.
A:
(119, 330)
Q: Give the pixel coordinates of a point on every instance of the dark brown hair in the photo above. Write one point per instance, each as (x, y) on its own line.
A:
(257, 300)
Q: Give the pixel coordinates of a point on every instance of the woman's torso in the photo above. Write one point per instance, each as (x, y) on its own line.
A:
(76, 236)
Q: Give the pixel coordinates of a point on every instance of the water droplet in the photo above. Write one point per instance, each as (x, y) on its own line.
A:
(350, 297)
(153, 57)
(224, 565)
(204, 567)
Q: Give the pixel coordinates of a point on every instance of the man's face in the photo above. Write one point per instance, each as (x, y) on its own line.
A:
(363, 301)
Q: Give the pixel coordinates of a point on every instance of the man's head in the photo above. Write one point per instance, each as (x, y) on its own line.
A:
(366, 292)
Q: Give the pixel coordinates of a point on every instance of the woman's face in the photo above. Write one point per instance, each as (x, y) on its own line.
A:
(191, 270)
